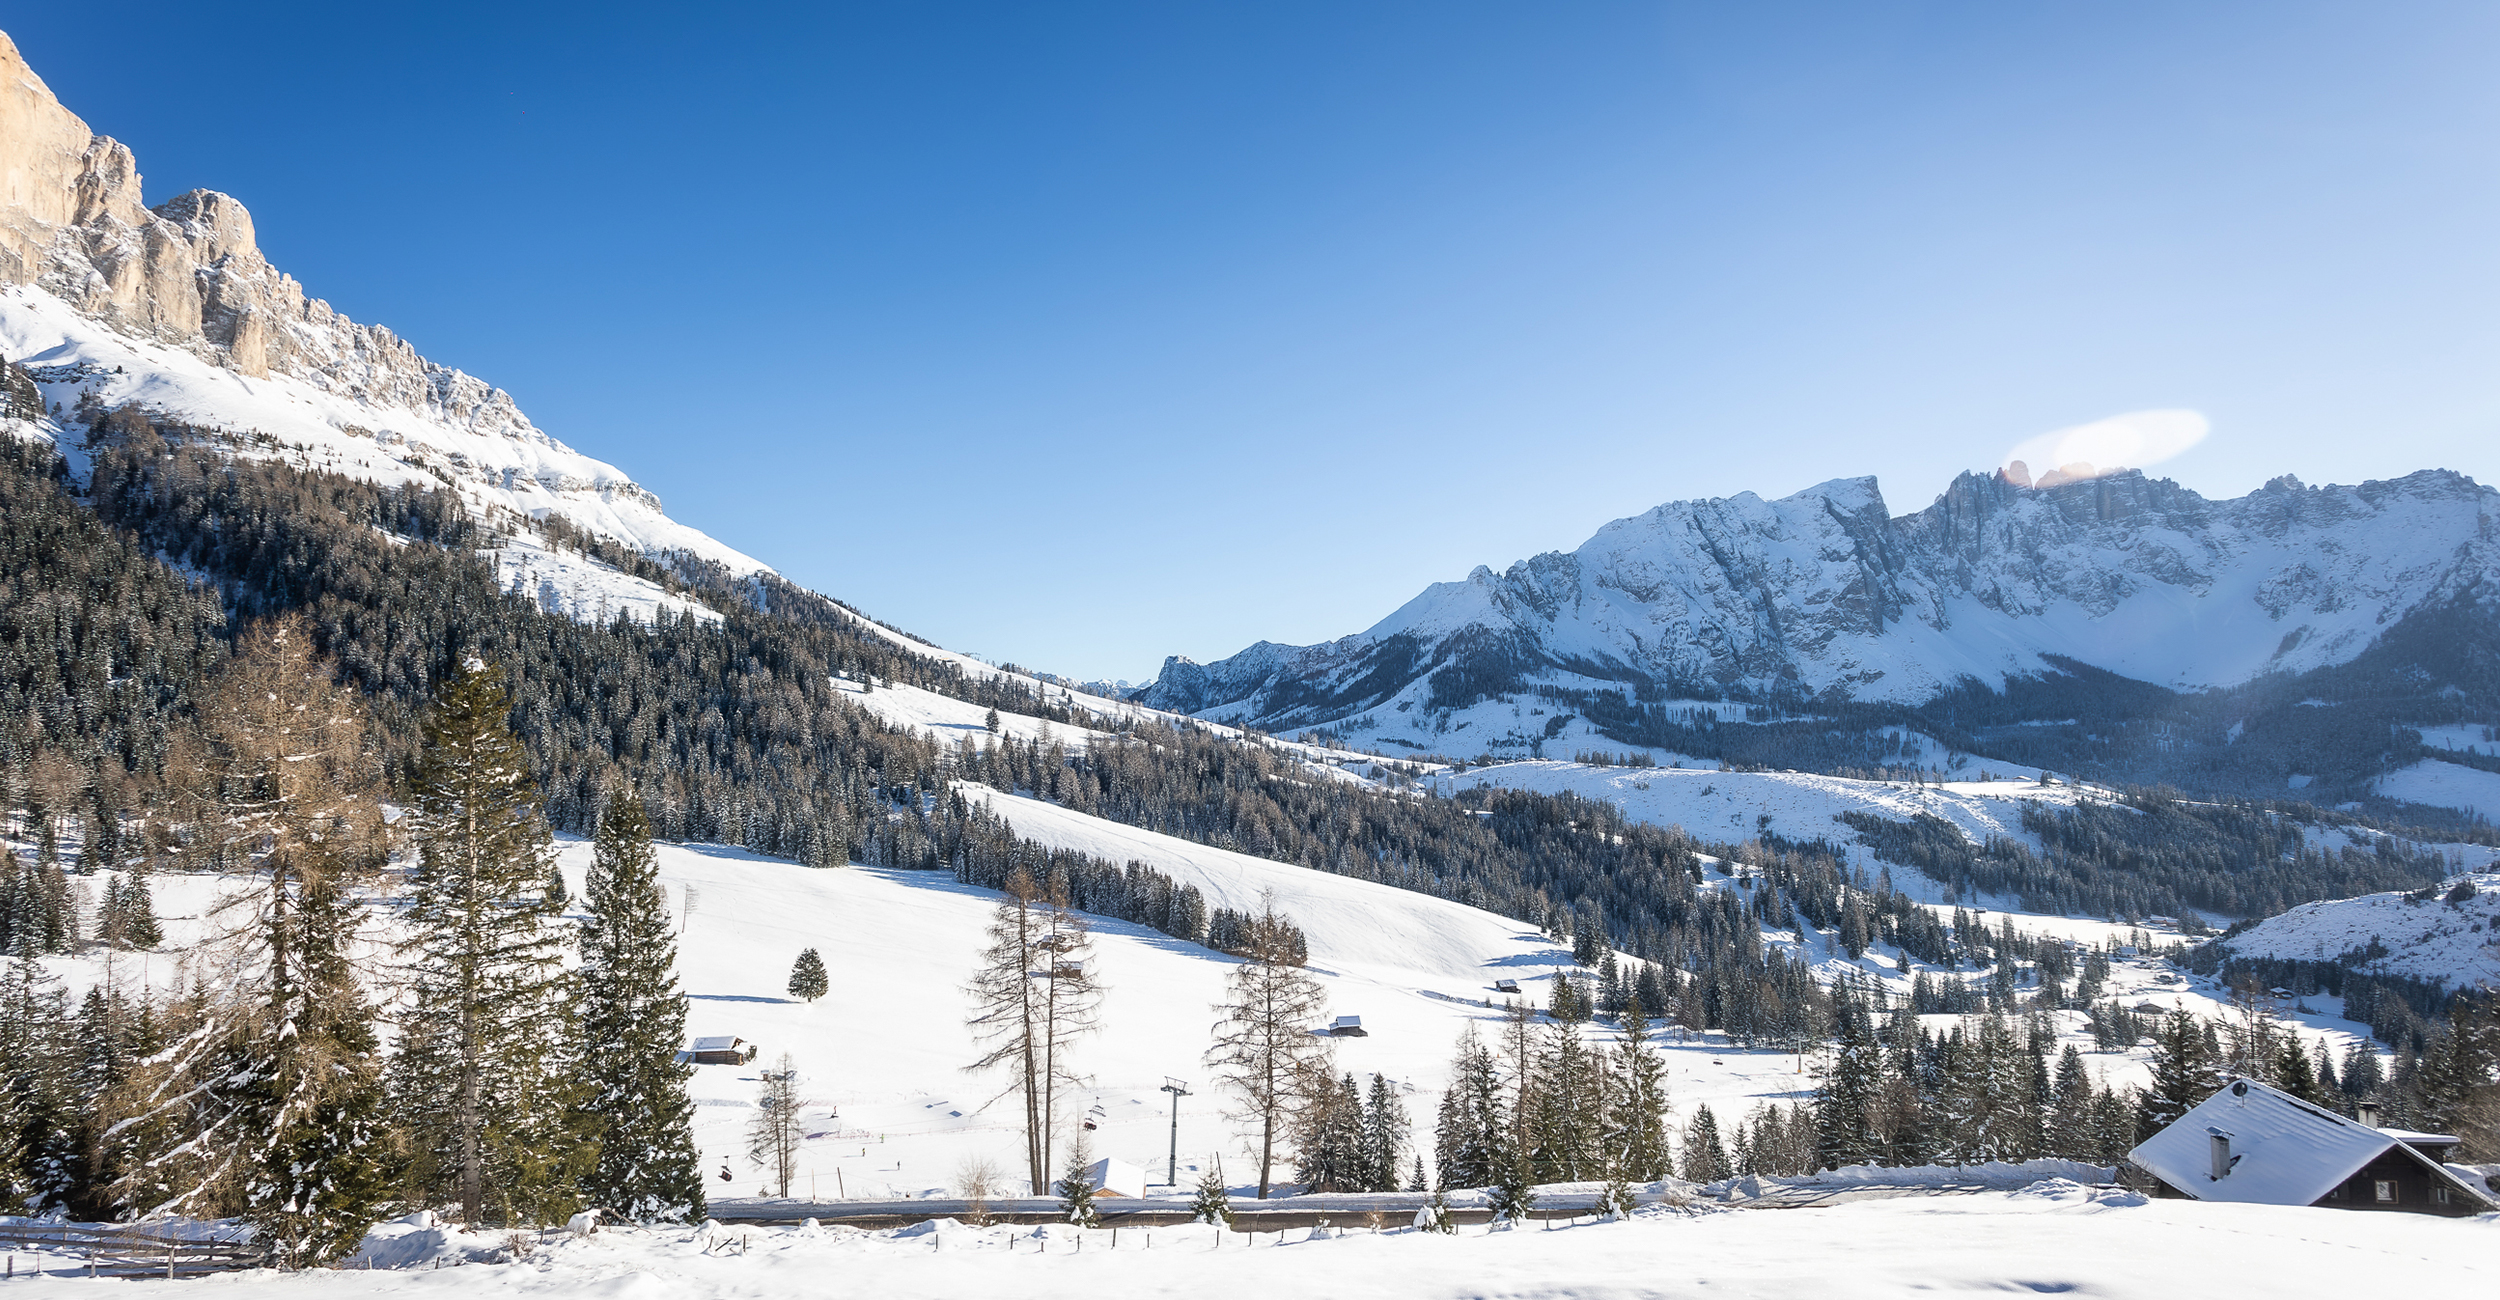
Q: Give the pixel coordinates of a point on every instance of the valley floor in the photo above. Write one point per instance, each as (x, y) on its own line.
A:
(2052, 1238)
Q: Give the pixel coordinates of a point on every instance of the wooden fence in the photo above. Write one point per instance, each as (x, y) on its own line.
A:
(103, 1250)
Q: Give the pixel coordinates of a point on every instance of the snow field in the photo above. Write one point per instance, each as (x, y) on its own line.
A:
(2054, 1237)
(2443, 785)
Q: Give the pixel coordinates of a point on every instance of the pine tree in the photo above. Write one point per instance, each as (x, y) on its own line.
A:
(1212, 1204)
(1705, 1156)
(2292, 1072)
(478, 1084)
(39, 1141)
(2071, 1134)
(1844, 1107)
(807, 976)
(1032, 1023)
(633, 1021)
(1514, 1194)
(1328, 1137)
(1436, 1216)
(1637, 1124)
(2182, 1074)
(1076, 1188)
(1385, 1127)
(1471, 1134)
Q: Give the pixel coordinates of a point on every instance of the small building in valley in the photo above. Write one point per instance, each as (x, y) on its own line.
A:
(2259, 1145)
(1348, 1027)
(731, 1050)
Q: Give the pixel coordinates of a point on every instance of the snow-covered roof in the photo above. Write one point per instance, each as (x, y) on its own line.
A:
(1116, 1177)
(1349, 1022)
(728, 1044)
(2281, 1150)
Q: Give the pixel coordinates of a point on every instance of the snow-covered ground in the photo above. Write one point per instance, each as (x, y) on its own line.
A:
(572, 584)
(497, 460)
(2458, 943)
(1731, 806)
(2444, 785)
(2052, 1238)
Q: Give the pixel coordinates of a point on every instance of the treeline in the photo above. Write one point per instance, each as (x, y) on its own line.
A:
(2152, 854)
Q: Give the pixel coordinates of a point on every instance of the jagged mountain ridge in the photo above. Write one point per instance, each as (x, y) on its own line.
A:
(111, 302)
(1826, 597)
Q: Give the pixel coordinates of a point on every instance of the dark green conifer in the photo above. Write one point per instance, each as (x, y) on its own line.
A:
(479, 1084)
(807, 976)
(633, 1023)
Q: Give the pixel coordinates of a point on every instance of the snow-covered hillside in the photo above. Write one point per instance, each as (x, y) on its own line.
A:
(106, 302)
(2457, 944)
(1734, 806)
(1827, 590)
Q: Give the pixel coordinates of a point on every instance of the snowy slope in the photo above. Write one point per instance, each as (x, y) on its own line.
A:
(2446, 785)
(1730, 806)
(2457, 944)
(1827, 591)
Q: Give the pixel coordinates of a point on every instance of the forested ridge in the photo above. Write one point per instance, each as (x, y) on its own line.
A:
(131, 599)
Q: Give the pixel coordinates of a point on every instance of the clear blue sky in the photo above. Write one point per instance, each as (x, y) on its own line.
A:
(1083, 334)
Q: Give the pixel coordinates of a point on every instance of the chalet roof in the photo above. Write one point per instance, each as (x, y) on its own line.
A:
(1349, 1022)
(730, 1043)
(2285, 1151)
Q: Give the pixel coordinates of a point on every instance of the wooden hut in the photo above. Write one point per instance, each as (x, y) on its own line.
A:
(2259, 1145)
(730, 1050)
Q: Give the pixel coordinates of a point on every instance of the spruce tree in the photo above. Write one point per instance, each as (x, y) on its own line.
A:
(1705, 1156)
(479, 1084)
(1212, 1204)
(1076, 1189)
(1844, 1107)
(1436, 1216)
(1471, 1134)
(2182, 1074)
(633, 1021)
(1384, 1136)
(807, 976)
(1637, 1125)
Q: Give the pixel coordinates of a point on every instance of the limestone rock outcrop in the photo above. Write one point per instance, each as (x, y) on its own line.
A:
(189, 271)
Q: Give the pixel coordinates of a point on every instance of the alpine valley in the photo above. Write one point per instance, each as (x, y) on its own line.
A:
(1757, 853)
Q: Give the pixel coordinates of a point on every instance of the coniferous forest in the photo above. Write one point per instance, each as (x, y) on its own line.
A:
(151, 618)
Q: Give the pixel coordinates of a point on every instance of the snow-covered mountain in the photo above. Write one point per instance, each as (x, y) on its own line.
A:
(173, 308)
(1827, 595)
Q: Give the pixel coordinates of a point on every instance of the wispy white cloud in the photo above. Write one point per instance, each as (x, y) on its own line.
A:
(2135, 440)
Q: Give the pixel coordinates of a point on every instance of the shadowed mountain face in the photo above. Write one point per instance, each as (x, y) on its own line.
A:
(1825, 600)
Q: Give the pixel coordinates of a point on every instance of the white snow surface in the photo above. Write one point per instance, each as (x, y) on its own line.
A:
(497, 460)
(2445, 785)
(2055, 1237)
(1728, 806)
(574, 585)
(2455, 943)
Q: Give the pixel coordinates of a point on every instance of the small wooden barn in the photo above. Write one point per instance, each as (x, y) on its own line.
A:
(2259, 1145)
(1348, 1027)
(1116, 1178)
(731, 1050)
(1507, 988)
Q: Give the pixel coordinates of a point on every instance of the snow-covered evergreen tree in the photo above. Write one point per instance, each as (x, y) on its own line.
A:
(1076, 1188)
(1471, 1133)
(1844, 1108)
(1211, 1204)
(633, 1021)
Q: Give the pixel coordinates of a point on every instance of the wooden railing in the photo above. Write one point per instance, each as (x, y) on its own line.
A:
(103, 1250)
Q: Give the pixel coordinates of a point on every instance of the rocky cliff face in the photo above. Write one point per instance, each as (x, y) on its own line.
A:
(112, 302)
(1826, 595)
(189, 271)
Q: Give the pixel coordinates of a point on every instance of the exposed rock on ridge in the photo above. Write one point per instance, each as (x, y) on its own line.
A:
(189, 272)
(1826, 595)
